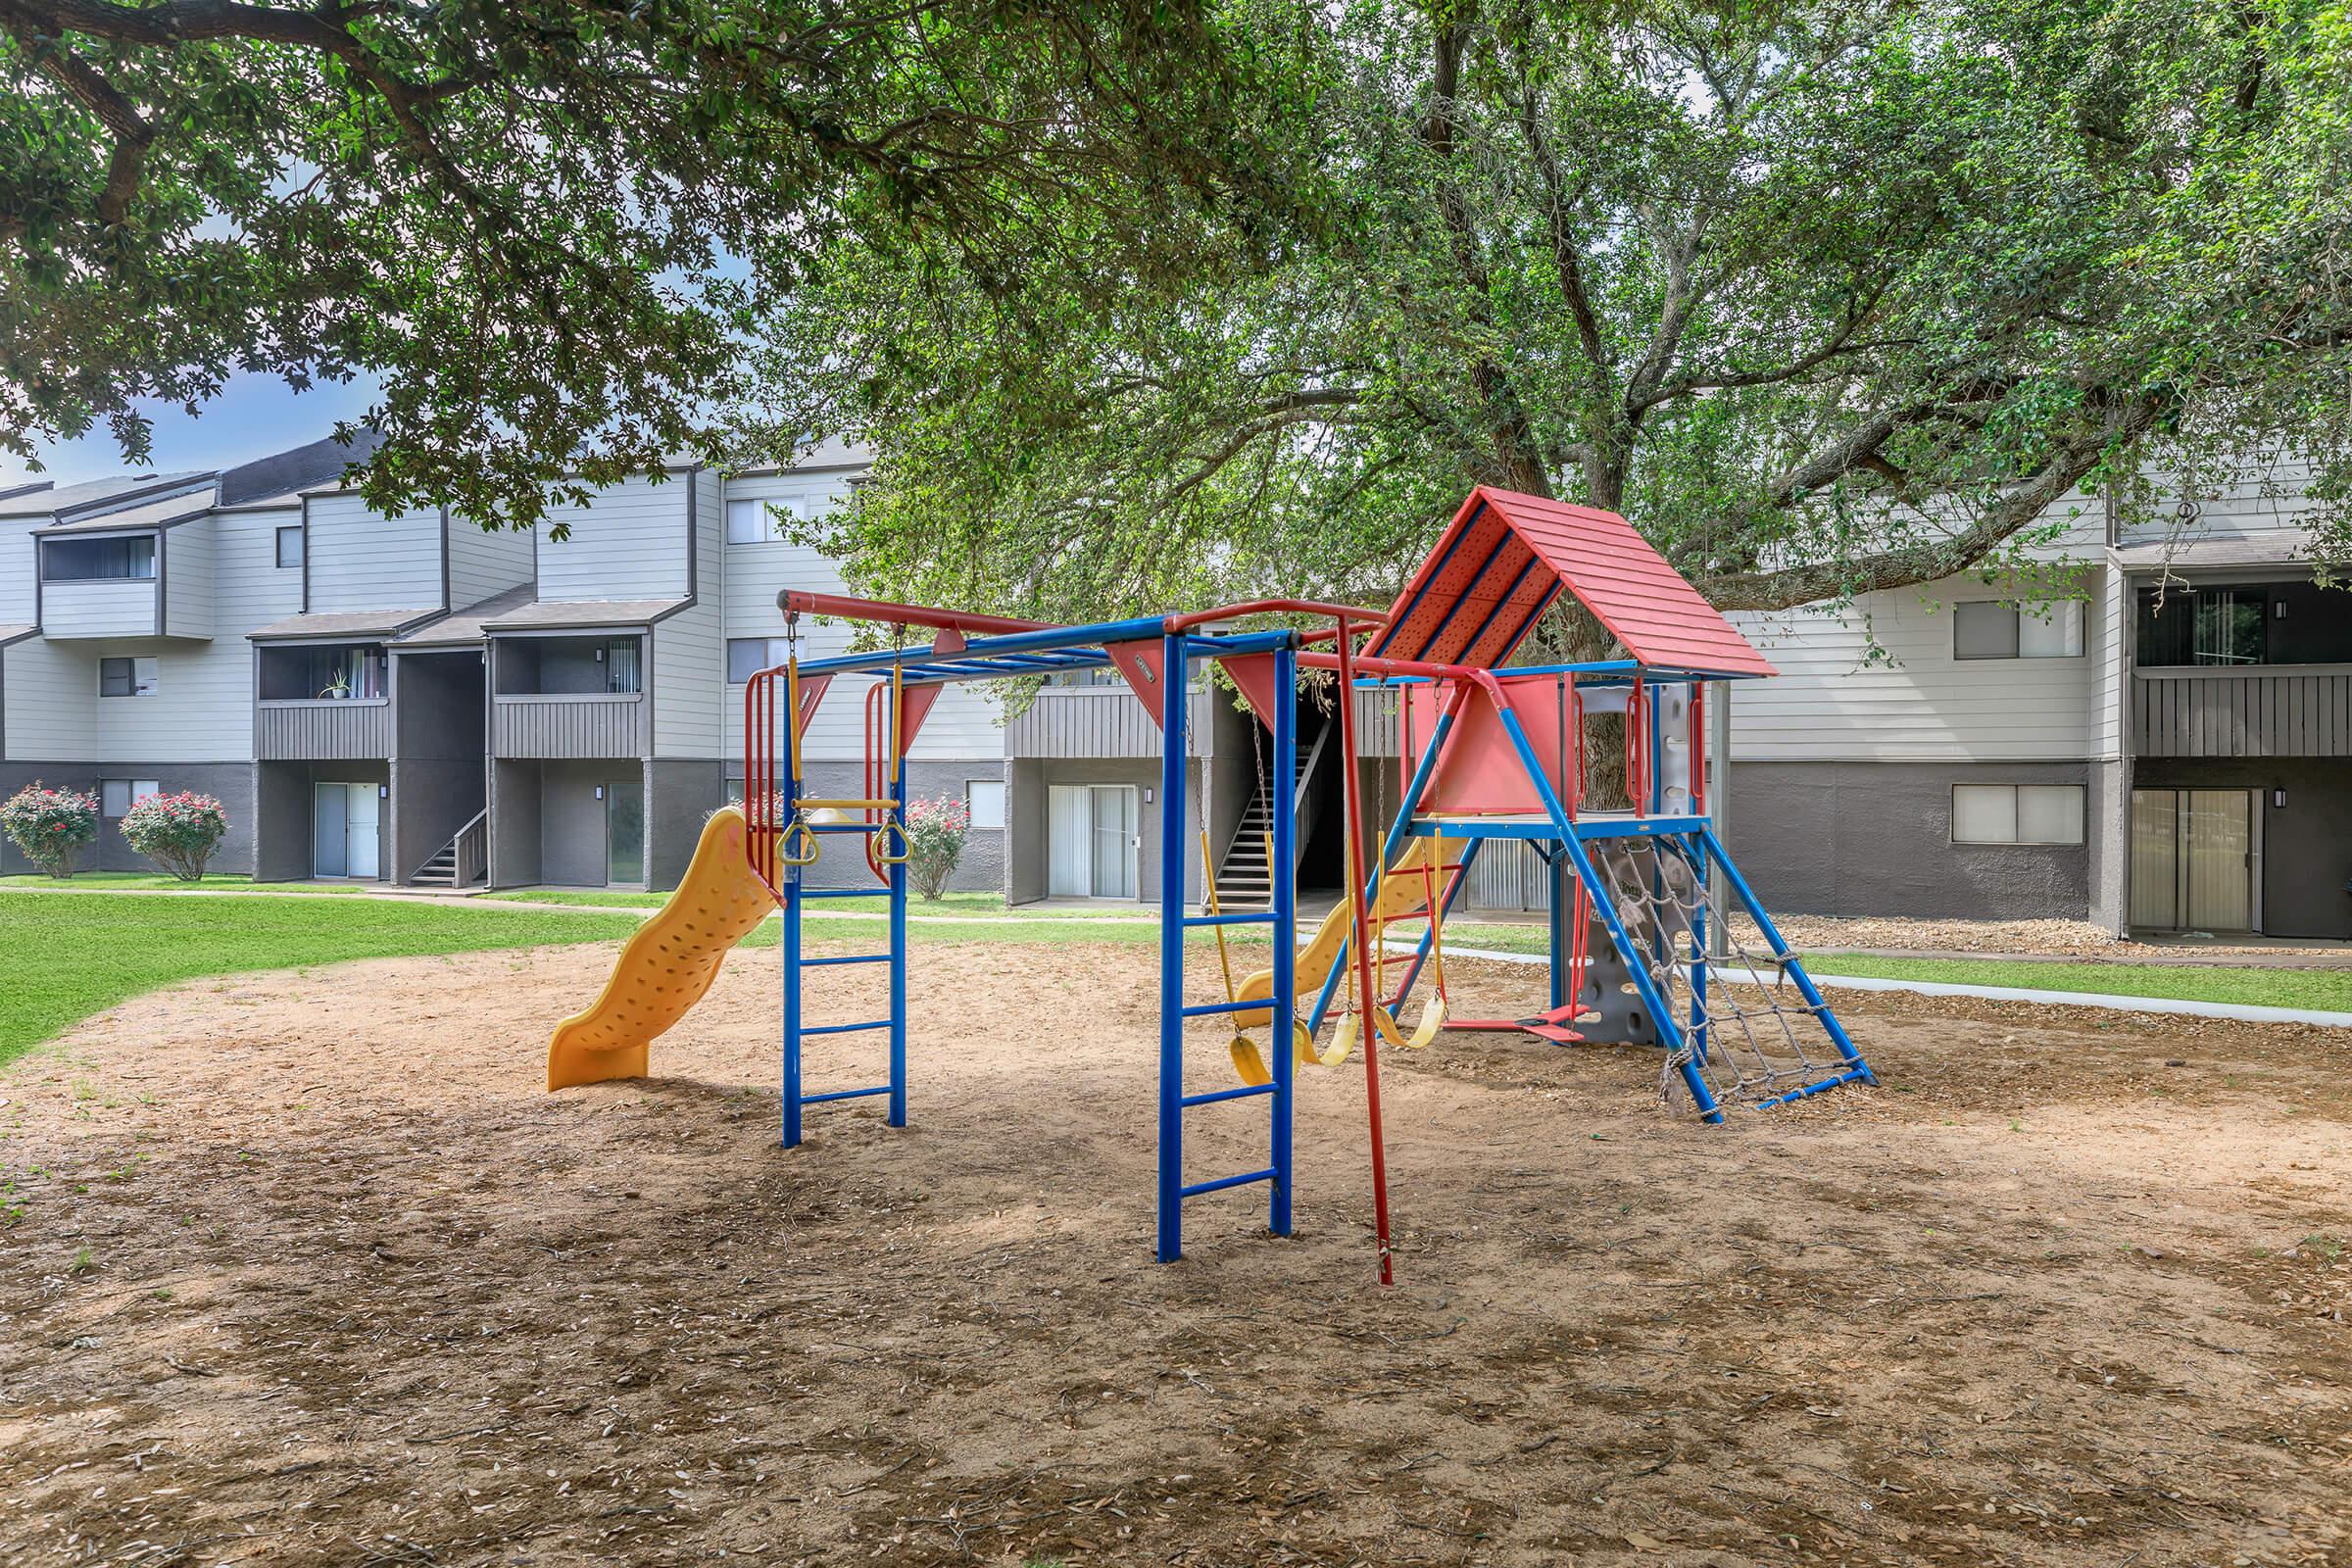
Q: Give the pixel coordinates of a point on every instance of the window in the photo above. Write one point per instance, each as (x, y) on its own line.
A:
(622, 671)
(2017, 814)
(758, 522)
(320, 672)
(1983, 629)
(108, 560)
(116, 795)
(289, 545)
(984, 798)
(2206, 626)
(126, 677)
(748, 656)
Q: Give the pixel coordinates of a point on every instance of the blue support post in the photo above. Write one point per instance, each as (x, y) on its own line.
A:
(898, 919)
(1175, 668)
(790, 793)
(1639, 971)
(1284, 902)
(1711, 848)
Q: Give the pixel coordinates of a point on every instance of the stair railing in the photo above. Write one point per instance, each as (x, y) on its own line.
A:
(469, 850)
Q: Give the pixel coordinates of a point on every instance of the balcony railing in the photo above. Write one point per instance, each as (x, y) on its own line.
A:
(590, 725)
(1095, 721)
(323, 730)
(2244, 710)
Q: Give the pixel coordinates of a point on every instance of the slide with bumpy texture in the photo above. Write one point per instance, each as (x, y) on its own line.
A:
(669, 964)
(1402, 892)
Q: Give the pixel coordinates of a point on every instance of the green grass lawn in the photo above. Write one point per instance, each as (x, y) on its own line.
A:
(153, 882)
(74, 955)
(2314, 990)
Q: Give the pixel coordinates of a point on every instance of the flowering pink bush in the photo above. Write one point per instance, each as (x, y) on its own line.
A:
(935, 835)
(51, 827)
(179, 832)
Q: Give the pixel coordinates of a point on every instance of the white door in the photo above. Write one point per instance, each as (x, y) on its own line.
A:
(1115, 840)
(343, 837)
(1069, 841)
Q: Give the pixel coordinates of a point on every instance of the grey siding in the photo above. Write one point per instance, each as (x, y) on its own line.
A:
(569, 726)
(483, 562)
(358, 559)
(186, 573)
(629, 543)
(1098, 722)
(2286, 710)
(964, 723)
(1874, 838)
(688, 658)
(515, 824)
(572, 820)
(281, 805)
(89, 609)
(327, 729)
(679, 798)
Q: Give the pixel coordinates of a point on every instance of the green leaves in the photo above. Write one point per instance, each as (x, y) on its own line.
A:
(1827, 298)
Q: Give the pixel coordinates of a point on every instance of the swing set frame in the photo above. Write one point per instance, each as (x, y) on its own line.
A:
(1456, 609)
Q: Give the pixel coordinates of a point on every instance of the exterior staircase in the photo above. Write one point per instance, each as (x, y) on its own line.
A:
(461, 863)
(1245, 881)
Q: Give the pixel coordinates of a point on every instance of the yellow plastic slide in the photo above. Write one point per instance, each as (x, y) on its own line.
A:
(669, 964)
(1402, 892)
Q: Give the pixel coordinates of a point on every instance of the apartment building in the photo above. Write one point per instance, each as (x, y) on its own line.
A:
(413, 699)
(2149, 727)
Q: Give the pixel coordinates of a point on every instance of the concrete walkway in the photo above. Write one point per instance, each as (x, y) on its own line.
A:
(2241, 1012)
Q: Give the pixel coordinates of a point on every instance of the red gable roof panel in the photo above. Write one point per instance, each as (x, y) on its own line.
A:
(1477, 596)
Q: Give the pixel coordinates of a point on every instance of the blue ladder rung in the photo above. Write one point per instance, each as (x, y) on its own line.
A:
(844, 1028)
(844, 1093)
(854, 958)
(1223, 1182)
(845, 893)
(1210, 1008)
(1246, 1091)
(1192, 921)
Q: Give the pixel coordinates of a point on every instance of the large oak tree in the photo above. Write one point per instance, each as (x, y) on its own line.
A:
(1826, 297)
(548, 229)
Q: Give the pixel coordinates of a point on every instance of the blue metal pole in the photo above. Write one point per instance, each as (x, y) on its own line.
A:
(1284, 789)
(1175, 670)
(789, 790)
(1713, 848)
(897, 924)
(1700, 1095)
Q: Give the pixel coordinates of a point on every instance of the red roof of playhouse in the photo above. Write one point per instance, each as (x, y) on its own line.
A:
(1507, 556)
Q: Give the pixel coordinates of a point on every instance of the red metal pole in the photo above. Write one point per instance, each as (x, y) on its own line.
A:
(850, 607)
(1351, 781)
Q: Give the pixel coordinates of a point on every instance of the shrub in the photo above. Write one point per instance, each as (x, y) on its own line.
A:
(51, 827)
(179, 832)
(935, 835)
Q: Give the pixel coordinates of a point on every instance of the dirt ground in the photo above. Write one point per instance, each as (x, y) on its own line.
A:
(307, 1269)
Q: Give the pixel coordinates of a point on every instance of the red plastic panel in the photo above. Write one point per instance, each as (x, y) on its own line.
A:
(1479, 773)
(1497, 564)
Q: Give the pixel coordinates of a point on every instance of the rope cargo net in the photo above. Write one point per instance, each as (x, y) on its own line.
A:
(1748, 1030)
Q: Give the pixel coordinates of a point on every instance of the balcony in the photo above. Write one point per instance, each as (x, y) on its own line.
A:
(2242, 711)
(321, 702)
(570, 697)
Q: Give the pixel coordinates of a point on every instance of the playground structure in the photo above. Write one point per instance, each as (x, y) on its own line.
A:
(1485, 752)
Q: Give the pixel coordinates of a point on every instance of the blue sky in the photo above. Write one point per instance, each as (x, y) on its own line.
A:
(253, 416)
